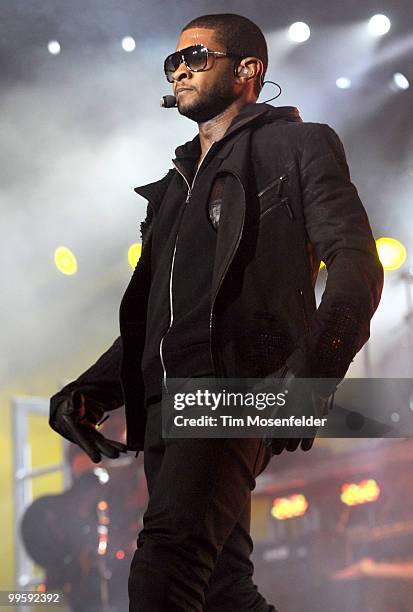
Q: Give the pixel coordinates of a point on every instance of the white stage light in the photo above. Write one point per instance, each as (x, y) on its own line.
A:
(54, 47)
(379, 25)
(102, 474)
(128, 44)
(299, 32)
(400, 80)
(343, 83)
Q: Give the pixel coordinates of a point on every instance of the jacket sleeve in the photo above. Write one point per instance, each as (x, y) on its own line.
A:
(338, 227)
(101, 382)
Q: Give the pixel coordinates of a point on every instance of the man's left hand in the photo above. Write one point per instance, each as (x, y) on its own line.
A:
(307, 402)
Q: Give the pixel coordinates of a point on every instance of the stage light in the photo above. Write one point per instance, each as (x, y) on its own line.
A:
(392, 253)
(128, 44)
(134, 254)
(289, 507)
(354, 494)
(102, 505)
(102, 474)
(120, 554)
(54, 47)
(299, 32)
(379, 25)
(400, 80)
(343, 83)
(102, 546)
(65, 260)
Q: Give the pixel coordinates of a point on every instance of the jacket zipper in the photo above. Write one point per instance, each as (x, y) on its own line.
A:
(304, 309)
(220, 282)
(279, 179)
(171, 318)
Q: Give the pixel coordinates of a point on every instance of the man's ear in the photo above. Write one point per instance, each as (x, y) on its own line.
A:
(249, 68)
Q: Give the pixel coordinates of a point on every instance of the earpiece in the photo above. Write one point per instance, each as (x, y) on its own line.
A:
(242, 69)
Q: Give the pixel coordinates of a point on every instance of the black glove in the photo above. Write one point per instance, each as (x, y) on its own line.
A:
(297, 395)
(75, 418)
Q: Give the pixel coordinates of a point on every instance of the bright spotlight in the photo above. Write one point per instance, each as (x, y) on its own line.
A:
(65, 260)
(299, 32)
(289, 507)
(54, 47)
(354, 494)
(128, 44)
(102, 474)
(343, 83)
(392, 253)
(379, 25)
(400, 80)
(134, 254)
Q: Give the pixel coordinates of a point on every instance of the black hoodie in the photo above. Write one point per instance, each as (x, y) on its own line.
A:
(182, 259)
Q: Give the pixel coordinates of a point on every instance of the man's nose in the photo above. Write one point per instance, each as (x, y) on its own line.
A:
(181, 72)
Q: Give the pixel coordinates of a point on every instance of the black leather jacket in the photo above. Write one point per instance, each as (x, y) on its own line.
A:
(286, 202)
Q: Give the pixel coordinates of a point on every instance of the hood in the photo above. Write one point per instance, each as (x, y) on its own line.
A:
(251, 112)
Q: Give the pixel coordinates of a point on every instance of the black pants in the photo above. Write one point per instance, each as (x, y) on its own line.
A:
(194, 550)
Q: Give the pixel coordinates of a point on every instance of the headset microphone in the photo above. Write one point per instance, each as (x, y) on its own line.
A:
(168, 102)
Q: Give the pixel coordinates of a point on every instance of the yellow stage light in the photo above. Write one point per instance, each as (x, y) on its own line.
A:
(354, 494)
(65, 260)
(289, 507)
(392, 253)
(134, 254)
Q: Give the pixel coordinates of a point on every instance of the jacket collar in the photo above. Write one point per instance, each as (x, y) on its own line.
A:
(190, 151)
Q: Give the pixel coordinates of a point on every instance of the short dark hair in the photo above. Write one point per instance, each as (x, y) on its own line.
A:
(237, 34)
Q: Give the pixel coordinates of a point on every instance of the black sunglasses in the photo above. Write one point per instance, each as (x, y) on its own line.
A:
(194, 57)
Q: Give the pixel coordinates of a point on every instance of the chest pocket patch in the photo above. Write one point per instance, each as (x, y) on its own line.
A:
(215, 201)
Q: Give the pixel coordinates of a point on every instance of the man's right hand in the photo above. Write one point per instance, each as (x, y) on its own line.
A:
(75, 418)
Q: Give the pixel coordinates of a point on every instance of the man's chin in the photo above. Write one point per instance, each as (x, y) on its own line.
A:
(206, 107)
(196, 112)
(186, 109)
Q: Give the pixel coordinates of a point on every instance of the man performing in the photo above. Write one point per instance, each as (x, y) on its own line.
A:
(232, 243)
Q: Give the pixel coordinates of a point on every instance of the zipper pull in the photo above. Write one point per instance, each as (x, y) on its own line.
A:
(188, 196)
(282, 179)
